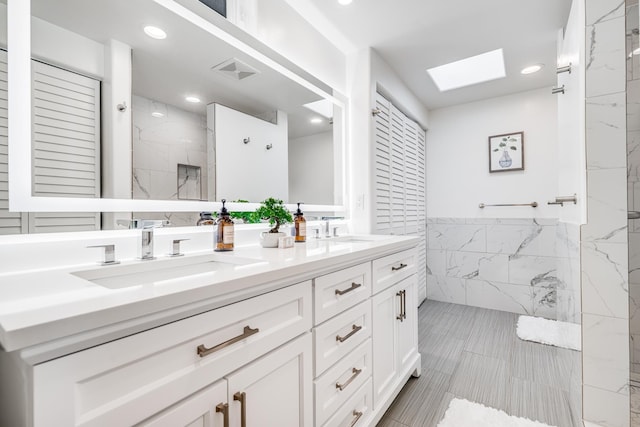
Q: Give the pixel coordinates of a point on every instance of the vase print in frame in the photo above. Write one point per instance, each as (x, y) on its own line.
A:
(506, 152)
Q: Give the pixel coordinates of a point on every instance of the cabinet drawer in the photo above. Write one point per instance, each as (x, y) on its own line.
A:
(335, 292)
(337, 337)
(126, 381)
(341, 381)
(393, 268)
(356, 411)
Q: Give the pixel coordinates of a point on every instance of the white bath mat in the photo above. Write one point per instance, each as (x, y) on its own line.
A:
(462, 413)
(552, 332)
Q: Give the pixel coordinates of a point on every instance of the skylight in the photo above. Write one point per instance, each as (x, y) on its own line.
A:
(469, 71)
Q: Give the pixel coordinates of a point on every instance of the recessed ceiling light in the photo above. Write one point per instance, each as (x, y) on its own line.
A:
(532, 69)
(157, 114)
(469, 71)
(193, 99)
(345, 2)
(155, 32)
(316, 120)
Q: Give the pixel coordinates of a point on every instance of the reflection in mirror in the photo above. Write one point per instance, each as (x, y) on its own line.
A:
(121, 110)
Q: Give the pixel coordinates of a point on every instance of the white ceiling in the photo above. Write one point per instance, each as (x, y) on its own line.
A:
(413, 35)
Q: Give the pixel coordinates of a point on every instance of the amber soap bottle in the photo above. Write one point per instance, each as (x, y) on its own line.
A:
(301, 226)
(224, 235)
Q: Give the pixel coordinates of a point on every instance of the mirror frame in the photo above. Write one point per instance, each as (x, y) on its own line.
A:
(19, 72)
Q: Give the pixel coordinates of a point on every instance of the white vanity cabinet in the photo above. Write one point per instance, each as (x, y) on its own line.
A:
(394, 324)
(129, 380)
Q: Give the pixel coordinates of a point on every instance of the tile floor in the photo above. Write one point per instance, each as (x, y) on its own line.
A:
(474, 353)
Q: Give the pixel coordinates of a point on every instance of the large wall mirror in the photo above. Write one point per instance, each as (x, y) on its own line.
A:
(145, 106)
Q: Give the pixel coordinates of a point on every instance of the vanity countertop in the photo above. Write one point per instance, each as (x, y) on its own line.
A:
(39, 306)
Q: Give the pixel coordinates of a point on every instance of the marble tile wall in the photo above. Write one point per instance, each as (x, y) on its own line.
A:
(604, 240)
(159, 145)
(633, 182)
(502, 264)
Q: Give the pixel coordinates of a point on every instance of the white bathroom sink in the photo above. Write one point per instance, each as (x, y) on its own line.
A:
(359, 239)
(155, 271)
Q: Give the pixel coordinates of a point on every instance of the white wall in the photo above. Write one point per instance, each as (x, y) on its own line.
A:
(249, 171)
(308, 172)
(458, 177)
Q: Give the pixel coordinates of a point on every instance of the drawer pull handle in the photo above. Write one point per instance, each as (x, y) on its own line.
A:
(242, 398)
(357, 415)
(224, 408)
(353, 287)
(403, 302)
(402, 265)
(354, 330)
(356, 372)
(204, 351)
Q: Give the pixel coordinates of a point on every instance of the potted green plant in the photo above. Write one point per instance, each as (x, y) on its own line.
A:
(274, 211)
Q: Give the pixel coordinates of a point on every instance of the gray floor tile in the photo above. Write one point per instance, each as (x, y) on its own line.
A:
(474, 353)
(481, 379)
(539, 402)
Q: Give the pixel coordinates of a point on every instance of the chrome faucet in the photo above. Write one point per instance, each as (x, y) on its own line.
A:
(327, 225)
(146, 245)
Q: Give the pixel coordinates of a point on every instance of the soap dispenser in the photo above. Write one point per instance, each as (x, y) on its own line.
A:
(206, 219)
(224, 235)
(300, 226)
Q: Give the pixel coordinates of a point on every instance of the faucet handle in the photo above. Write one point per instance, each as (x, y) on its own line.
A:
(175, 246)
(109, 254)
(335, 230)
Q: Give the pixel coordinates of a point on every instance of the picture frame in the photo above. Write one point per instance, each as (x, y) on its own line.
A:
(506, 152)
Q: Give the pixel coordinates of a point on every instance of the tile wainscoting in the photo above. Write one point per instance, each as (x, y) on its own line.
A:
(525, 266)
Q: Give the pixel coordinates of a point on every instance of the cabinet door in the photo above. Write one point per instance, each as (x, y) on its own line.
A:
(204, 409)
(385, 310)
(408, 327)
(276, 390)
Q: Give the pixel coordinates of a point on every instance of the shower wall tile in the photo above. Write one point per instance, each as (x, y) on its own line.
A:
(608, 369)
(458, 237)
(605, 408)
(500, 296)
(472, 265)
(511, 265)
(602, 10)
(607, 206)
(447, 289)
(605, 133)
(633, 105)
(604, 283)
(605, 57)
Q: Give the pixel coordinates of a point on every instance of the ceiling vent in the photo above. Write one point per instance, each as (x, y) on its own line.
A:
(235, 69)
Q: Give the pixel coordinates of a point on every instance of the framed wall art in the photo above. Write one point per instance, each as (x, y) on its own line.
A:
(506, 152)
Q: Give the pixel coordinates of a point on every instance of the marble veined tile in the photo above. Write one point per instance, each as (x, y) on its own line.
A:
(605, 288)
(606, 67)
(633, 105)
(604, 366)
(606, 131)
(500, 296)
(533, 271)
(446, 289)
(436, 262)
(516, 240)
(607, 206)
(457, 237)
(472, 265)
(602, 10)
(604, 408)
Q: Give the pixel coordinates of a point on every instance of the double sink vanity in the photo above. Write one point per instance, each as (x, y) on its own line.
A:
(321, 334)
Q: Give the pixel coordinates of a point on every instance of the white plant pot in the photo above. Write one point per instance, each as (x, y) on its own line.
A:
(270, 240)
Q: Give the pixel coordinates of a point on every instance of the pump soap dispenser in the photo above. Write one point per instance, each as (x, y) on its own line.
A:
(301, 226)
(224, 235)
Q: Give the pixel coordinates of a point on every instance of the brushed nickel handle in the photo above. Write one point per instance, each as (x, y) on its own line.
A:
(355, 372)
(353, 287)
(224, 408)
(242, 398)
(357, 415)
(404, 300)
(399, 268)
(400, 316)
(204, 351)
(354, 330)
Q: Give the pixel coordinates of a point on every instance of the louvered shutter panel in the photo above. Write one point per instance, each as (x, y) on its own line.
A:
(422, 217)
(411, 175)
(382, 167)
(397, 172)
(10, 222)
(66, 145)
